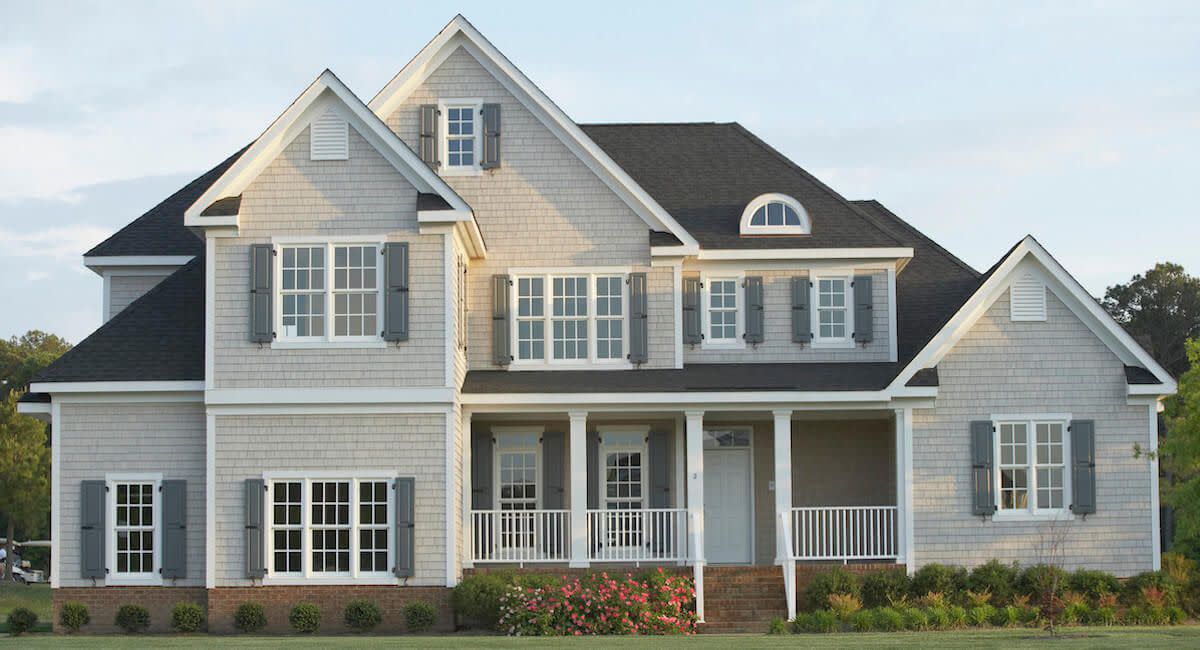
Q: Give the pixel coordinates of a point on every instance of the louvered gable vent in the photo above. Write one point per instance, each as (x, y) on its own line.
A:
(330, 139)
(1027, 298)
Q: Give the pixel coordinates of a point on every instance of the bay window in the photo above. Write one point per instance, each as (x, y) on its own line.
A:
(329, 292)
(570, 318)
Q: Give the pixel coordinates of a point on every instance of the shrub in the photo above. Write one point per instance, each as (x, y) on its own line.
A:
(1136, 615)
(419, 616)
(477, 597)
(1179, 567)
(1176, 615)
(600, 604)
(1135, 590)
(362, 615)
(932, 599)
(981, 615)
(844, 605)
(1041, 581)
(1075, 614)
(916, 619)
(862, 621)
(978, 598)
(21, 620)
(187, 617)
(73, 615)
(836, 581)
(940, 578)
(996, 578)
(939, 617)
(779, 626)
(1103, 615)
(1094, 584)
(1189, 596)
(818, 622)
(1007, 616)
(250, 617)
(132, 618)
(305, 618)
(958, 616)
(889, 619)
(880, 588)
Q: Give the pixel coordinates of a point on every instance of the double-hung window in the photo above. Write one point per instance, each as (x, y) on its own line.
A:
(1031, 465)
(461, 141)
(722, 311)
(330, 528)
(833, 319)
(329, 292)
(570, 318)
(135, 516)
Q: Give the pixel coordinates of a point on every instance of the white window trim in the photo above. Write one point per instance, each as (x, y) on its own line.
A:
(805, 227)
(307, 575)
(1032, 513)
(814, 299)
(476, 105)
(548, 361)
(462, 279)
(536, 449)
(706, 340)
(604, 449)
(329, 340)
(154, 577)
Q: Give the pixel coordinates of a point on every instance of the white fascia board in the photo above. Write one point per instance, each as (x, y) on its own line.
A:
(311, 396)
(39, 410)
(1154, 390)
(674, 251)
(117, 387)
(281, 132)
(805, 254)
(1065, 287)
(679, 398)
(97, 262)
(459, 32)
(444, 216)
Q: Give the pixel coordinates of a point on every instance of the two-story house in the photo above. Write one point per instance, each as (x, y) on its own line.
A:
(389, 342)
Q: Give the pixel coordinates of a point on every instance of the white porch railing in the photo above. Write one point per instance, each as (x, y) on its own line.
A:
(520, 536)
(844, 533)
(650, 535)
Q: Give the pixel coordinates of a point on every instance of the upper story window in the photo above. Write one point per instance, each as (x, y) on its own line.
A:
(461, 139)
(775, 214)
(314, 309)
(833, 313)
(573, 318)
(722, 316)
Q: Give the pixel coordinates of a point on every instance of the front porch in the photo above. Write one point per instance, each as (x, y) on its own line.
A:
(694, 488)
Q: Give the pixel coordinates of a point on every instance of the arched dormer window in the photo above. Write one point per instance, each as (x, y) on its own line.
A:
(775, 214)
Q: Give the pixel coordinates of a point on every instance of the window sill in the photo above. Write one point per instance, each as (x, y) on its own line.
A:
(460, 171)
(113, 580)
(331, 580)
(377, 344)
(838, 344)
(526, 366)
(1057, 515)
(723, 345)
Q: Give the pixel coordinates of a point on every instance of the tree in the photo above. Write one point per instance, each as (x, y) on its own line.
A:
(22, 357)
(1163, 306)
(24, 472)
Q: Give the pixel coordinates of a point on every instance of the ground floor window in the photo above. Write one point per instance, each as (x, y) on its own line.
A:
(623, 486)
(1031, 455)
(134, 520)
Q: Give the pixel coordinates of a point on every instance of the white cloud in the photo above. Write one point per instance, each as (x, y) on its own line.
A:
(34, 276)
(59, 244)
(19, 80)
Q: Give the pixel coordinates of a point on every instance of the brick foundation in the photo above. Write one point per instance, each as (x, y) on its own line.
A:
(103, 602)
(278, 601)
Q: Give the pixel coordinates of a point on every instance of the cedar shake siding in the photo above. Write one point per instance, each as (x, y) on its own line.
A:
(542, 208)
(298, 197)
(1056, 366)
(124, 289)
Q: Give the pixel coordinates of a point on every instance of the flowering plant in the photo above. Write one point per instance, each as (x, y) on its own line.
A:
(601, 604)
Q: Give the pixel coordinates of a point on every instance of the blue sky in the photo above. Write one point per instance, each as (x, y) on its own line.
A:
(978, 122)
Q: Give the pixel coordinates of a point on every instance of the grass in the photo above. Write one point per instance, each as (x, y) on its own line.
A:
(35, 597)
(1120, 637)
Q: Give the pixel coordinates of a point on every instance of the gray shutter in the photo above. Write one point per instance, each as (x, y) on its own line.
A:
(1083, 467)
(501, 321)
(174, 533)
(691, 311)
(754, 310)
(553, 453)
(261, 274)
(256, 528)
(658, 448)
(593, 471)
(428, 135)
(395, 298)
(481, 471)
(984, 501)
(92, 504)
(801, 317)
(638, 325)
(405, 522)
(864, 309)
(491, 137)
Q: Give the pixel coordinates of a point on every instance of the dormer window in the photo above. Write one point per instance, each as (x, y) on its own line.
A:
(775, 214)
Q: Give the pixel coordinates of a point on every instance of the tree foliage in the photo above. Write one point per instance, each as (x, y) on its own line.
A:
(22, 357)
(1179, 452)
(24, 471)
(1163, 306)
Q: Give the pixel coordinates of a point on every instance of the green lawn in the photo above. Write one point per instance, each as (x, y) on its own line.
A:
(35, 597)
(1161, 637)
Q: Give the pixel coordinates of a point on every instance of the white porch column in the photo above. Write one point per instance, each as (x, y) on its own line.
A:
(578, 476)
(904, 489)
(468, 523)
(695, 499)
(783, 479)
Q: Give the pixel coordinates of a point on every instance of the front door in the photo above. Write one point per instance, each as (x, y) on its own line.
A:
(728, 512)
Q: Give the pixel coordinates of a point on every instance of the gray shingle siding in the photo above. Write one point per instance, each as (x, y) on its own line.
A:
(124, 289)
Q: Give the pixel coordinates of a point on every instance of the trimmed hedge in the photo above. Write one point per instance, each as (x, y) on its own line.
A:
(73, 616)
(250, 617)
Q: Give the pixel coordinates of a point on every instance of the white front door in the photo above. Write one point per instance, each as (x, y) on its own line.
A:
(727, 508)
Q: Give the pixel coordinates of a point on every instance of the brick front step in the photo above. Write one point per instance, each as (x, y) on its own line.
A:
(742, 599)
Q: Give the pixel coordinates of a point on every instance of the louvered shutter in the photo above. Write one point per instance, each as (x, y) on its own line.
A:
(501, 321)
(1083, 467)
(491, 137)
(428, 135)
(691, 311)
(638, 321)
(481, 471)
(405, 527)
(255, 528)
(92, 508)
(593, 471)
(553, 455)
(801, 317)
(754, 310)
(261, 274)
(864, 309)
(174, 533)
(658, 462)
(395, 297)
(984, 500)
